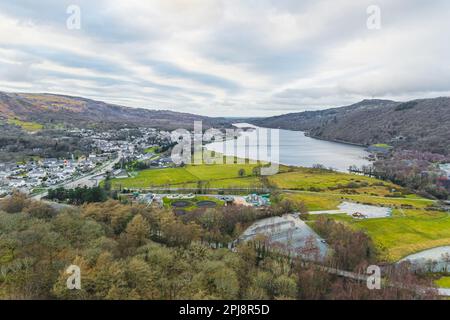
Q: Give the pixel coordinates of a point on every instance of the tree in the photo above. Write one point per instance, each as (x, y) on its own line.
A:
(245, 268)
(15, 203)
(285, 206)
(138, 230)
(256, 171)
(351, 248)
(241, 172)
(220, 280)
(40, 210)
(107, 183)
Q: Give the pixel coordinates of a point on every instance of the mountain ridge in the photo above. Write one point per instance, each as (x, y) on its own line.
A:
(46, 107)
(421, 124)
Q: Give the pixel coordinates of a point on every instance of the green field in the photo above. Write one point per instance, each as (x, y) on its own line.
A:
(417, 202)
(27, 126)
(321, 180)
(168, 202)
(409, 230)
(151, 150)
(217, 175)
(405, 233)
(230, 183)
(443, 282)
(315, 201)
(382, 145)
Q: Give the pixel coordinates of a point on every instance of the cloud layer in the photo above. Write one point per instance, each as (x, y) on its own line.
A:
(227, 58)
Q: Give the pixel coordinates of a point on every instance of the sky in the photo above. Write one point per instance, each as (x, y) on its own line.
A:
(227, 58)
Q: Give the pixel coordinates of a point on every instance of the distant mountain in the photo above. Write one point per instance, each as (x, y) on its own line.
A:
(422, 124)
(51, 108)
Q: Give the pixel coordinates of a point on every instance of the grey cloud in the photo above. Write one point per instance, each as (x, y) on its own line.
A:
(244, 66)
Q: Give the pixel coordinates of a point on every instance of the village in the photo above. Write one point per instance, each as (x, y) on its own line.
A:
(107, 147)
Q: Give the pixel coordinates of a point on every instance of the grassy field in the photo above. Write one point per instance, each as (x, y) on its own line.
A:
(168, 202)
(223, 175)
(320, 180)
(27, 126)
(230, 183)
(409, 230)
(151, 150)
(288, 178)
(147, 178)
(315, 201)
(404, 234)
(417, 202)
(443, 282)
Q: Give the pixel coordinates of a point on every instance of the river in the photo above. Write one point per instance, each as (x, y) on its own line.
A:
(293, 148)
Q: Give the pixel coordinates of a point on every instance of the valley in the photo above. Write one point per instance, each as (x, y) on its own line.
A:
(132, 167)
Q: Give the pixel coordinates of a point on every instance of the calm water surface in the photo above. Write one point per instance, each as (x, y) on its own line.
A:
(294, 149)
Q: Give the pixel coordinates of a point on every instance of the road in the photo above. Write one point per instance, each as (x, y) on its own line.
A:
(362, 277)
(87, 180)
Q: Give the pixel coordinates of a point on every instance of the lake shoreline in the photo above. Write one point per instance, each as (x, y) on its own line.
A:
(333, 140)
(306, 133)
(294, 148)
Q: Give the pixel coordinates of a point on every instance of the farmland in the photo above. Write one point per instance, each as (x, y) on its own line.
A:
(27, 126)
(401, 236)
(224, 175)
(322, 180)
(443, 282)
(408, 231)
(191, 204)
(412, 228)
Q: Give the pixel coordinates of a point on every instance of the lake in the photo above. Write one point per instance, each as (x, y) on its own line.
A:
(293, 148)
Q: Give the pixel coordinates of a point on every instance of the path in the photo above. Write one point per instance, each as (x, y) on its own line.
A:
(362, 277)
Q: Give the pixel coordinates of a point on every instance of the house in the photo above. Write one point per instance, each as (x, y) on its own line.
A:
(120, 174)
(50, 162)
(257, 200)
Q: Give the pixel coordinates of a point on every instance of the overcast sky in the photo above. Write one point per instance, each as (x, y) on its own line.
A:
(227, 58)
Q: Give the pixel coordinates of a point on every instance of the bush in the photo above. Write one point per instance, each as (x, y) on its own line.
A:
(15, 203)
(40, 210)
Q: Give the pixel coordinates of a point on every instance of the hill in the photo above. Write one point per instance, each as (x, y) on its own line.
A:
(51, 108)
(418, 124)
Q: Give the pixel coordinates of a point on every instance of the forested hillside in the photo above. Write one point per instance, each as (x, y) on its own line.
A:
(134, 252)
(50, 108)
(422, 125)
